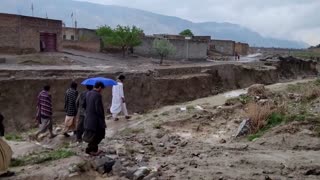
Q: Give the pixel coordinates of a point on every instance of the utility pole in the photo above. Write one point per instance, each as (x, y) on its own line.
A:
(32, 9)
(187, 49)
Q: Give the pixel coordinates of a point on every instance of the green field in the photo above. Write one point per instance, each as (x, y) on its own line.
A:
(306, 54)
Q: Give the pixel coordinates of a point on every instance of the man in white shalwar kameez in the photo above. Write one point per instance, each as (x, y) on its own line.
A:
(118, 100)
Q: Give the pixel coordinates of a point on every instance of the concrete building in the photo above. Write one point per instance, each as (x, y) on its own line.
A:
(225, 47)
(24, 34)
(192, 49)
(79, 34)
(242, 48)
(81, 39)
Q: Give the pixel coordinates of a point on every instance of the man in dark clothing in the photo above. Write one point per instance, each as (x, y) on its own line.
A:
(94, 123)
(70, 108)
(82, 112)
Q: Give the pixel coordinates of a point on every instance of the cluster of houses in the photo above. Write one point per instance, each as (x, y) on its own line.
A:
(24, 34)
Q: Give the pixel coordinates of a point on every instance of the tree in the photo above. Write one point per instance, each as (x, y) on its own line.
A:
(163, 48)
(187, 33)
(121, 36)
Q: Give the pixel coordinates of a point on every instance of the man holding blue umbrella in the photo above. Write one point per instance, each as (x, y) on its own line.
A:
(94, 123)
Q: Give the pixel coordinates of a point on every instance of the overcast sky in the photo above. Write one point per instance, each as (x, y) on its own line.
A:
(286, 19)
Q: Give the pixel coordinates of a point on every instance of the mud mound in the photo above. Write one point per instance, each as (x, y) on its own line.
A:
(291, 67)
(258, 90)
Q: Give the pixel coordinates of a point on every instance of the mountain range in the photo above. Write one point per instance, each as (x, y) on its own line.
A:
(90, 15)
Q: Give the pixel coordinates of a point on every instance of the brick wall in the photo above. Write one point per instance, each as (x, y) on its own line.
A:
(92, 46)
(225, 47)
(185, 49)
(20, 34)
(242, 48)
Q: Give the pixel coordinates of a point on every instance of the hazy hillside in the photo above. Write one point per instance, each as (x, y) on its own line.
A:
(91, 15)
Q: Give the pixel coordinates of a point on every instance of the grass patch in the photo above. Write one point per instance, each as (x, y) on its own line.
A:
(273, 120)
(306, 54)
(190, 107)
(317, 82)
(157, 125)
(296, 117)
(41, 157)
(245, 99)
(165, 114)
(13, 137)
(295, 87)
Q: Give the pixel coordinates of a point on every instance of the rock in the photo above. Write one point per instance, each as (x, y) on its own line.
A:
(130, 172)
(117, 168)
(103, 165)
(267, 178)
(98, 162)
(160, 134)
(152, 175)
(111, 150)
(193, 163)
(100, 170)
(140, 173)
(108, 166)
(183, 143)
(263, 101)
(139, 158)
(314, 172)
(161, 144)
(222, 141)
(58, 130)
(121, 152)
(244, 128)
(74, 168)
(199, 108)
(126, 164)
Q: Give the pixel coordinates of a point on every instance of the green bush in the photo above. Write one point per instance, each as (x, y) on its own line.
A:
(41, 157)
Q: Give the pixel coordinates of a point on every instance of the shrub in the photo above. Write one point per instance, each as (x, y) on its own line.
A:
(258, 115)
(273, 120)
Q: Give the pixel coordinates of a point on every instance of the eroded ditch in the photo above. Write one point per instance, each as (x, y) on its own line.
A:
(144, 90)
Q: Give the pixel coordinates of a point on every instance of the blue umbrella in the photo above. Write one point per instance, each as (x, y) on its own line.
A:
(105, 81)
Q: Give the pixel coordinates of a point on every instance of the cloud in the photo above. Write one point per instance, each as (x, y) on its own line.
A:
(286, 19)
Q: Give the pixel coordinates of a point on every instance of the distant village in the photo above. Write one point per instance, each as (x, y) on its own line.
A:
(24, 34)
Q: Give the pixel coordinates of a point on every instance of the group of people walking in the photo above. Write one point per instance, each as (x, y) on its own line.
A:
(88, 107)
(85, 117)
